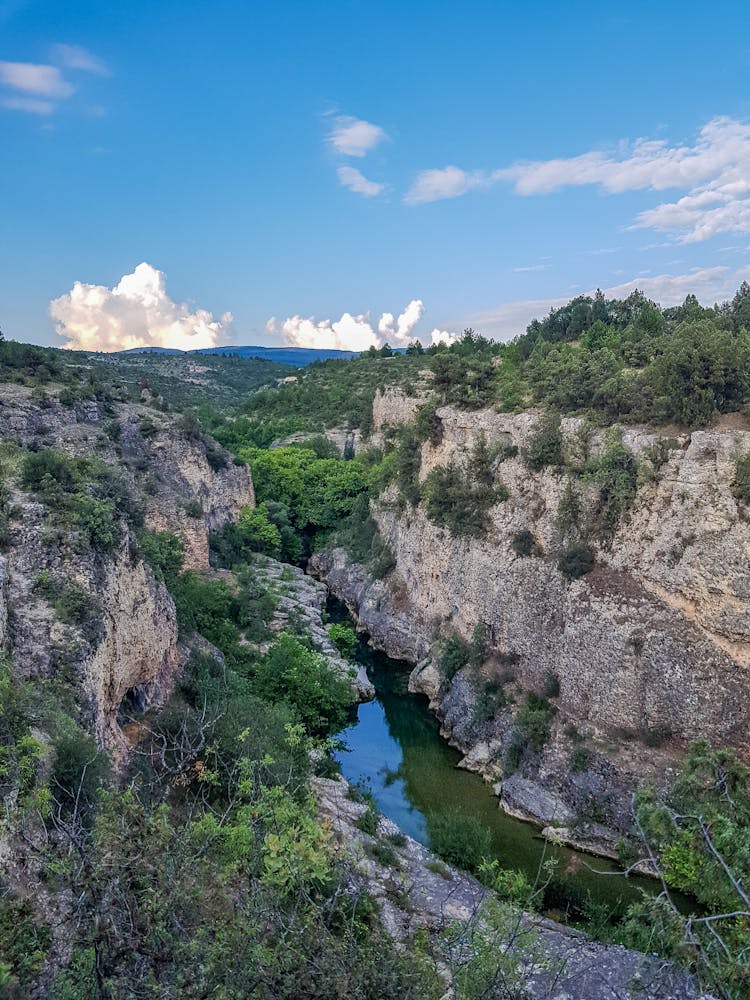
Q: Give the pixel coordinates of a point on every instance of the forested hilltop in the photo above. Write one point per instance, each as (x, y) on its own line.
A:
(552, 532)
(625, 360)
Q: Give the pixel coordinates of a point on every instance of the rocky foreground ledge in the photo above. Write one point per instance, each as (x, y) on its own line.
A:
(416, 891)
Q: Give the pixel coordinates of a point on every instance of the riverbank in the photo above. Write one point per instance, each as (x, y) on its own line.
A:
(417, 892)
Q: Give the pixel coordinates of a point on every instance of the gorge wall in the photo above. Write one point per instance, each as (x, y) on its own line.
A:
(650, 650)
(123, 642)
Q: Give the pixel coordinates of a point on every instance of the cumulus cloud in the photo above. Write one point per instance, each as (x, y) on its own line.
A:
(353, 333)
(356, 181)
(713, 171)
(34, 78)
(354, 136)
(443, 337)
(137, 312)
(75, 57)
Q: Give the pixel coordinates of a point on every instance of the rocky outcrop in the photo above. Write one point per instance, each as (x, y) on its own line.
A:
(300, 604)
(416, 891)
(136, 658)
(184, 477)
(647, 652)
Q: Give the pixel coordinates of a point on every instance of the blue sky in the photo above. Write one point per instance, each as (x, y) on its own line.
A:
(289, 161)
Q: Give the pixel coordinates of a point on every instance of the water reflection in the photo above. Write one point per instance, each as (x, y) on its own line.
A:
(395, 749)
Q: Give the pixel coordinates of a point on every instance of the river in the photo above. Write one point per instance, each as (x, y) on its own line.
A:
(395, 750)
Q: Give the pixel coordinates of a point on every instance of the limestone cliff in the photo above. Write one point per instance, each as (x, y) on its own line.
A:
(118, 643)
(652, 647)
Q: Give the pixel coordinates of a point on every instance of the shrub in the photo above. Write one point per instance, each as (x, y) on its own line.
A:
(615, 474)
(531, 729)
(579, 758)
(523, 542)
(427, 423)
(455, 653)
(344, 639)
(164, 552)
(368, 821)
(545, 444)
(303, 679)
(576, 561)
(25, 944)
(461, 840)
(490, 701)
(194, 508)
(147, 426)
(78, 771)
(551, 685)
(741, 484)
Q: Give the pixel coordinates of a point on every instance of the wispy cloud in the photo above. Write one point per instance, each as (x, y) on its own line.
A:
(355, 180)
(603, 250)
(37, 88)
(32, 105)
(35, 78)
(75, 57)
(446, 182)
(531, 267)
(714, 171)
(354, 137)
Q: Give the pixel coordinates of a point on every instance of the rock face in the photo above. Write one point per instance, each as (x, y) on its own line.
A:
(121, 644)
(184, 475)
(137, 656)
(554, 962)
(652, 647)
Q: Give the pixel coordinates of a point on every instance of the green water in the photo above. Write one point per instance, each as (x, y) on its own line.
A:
(394, 748)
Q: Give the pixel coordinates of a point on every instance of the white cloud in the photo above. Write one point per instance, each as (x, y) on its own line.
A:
(350, 333)
(447, 182)
(714, 172)
(531, 267)
(77, 58)
(354, 136)
(31, 104)
(443, 337)
(137, 312)
(356, 181)
(33, 78)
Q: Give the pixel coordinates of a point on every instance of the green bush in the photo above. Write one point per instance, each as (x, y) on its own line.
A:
(164, 552)
(194, 508)
(294, 674)
(461, 840)
(455, 654)
(25, 945)
(523, 542)
(545, 444)
(615, 474)
(741, 484)
(78, 771)
(531, 729)
(576, 561)
(344, 639)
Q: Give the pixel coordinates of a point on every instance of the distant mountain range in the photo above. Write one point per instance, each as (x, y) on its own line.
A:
(296, 356)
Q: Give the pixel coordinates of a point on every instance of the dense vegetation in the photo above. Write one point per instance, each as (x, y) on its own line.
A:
(615, 359)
